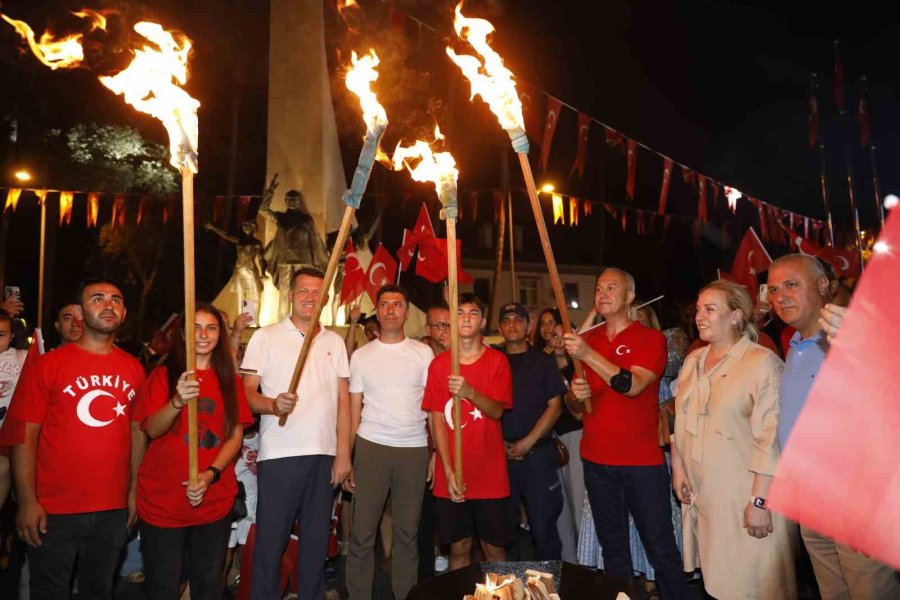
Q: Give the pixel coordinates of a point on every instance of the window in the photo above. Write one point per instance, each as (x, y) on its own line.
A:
(528, 290)
(570, 291)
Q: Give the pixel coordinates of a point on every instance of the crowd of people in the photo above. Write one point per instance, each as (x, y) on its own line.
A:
(618, 445)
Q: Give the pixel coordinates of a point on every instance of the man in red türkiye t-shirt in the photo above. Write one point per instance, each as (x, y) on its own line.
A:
(484, 387)
(624, 468)
(73, 468)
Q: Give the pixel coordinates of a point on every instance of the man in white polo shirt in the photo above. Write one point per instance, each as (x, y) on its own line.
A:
(299, 463)
(387, 383)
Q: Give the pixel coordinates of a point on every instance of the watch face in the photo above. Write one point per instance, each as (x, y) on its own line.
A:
(759, 502)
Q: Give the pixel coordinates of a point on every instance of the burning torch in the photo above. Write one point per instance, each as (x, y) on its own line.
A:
(440, 168)
(494, 83)
(359, 80)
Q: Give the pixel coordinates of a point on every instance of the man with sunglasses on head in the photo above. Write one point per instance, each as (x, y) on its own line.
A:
(78, 504)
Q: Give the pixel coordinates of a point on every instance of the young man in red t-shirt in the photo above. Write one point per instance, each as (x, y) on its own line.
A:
(484, 387)
(73, 471)
(624, 468)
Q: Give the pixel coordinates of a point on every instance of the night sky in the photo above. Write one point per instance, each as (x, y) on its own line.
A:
(719, 86)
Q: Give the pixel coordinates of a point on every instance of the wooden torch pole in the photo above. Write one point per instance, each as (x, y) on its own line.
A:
(190, 303)
(454, 347)
(330, 273)
(551, 260)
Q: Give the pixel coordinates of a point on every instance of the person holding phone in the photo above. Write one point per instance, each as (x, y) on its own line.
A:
(182, 522)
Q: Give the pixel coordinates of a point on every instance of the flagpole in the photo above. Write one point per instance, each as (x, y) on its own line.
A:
(866, 140)
(823, 172)
(513, 282)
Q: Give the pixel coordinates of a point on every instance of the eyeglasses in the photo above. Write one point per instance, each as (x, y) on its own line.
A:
(441, 326)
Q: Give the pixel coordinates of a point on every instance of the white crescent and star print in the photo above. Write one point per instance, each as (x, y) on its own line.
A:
(622, 350)
(91, 389)
(466, 408)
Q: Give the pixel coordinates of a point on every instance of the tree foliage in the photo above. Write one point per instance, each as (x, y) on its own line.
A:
(112, 158)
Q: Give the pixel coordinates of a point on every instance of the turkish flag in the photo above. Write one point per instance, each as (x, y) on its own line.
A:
(423, 229)
(554, 107)
(584, 126)
(751, 258)
(432, 261)
(532, 110)
(382, 271)
(407, 249)
(354, 277)
(845, 262)
(161, 342)
(838, 474)
(668, 163)
(701, 200)
(687, 175)
(631, 157)
(613, 138)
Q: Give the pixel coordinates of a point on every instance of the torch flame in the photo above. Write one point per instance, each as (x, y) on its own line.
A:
(489, 78)
(58, 53)
(359, 79)
(436, 167)
(151, 84)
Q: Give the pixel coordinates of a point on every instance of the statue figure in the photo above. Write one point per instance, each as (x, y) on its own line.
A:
(296, 243)
(250, 266)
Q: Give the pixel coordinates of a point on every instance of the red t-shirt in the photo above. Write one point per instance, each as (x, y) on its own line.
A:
(484, 455)
(161, 498)
(83, 403)
(622, 431)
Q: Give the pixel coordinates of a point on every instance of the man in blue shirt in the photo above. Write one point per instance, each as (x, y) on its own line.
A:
(799, 291)
(528, 432)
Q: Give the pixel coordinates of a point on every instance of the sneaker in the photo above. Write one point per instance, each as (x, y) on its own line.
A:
(441, 563)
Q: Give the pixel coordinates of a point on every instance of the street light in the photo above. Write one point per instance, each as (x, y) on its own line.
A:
(22, 175)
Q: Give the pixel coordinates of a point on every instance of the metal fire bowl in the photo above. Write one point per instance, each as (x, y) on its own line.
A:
(572, 582)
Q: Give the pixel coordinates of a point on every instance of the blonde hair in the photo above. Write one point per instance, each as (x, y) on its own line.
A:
(737, 298)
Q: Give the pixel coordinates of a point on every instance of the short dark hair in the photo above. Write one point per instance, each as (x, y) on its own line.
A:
(439, 306)
(85, 283)
(391, 289)
(5, 316)
(371, 319)
(307, 271)
(469, 298)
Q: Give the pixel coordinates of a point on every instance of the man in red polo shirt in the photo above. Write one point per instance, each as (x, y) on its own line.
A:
(73, 469)
(624, 468)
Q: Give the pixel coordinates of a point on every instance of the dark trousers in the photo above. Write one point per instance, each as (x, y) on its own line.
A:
(533, 481)
(644, 492)
(95, 538)
(164, 550)
(291, 488)
(425, 536)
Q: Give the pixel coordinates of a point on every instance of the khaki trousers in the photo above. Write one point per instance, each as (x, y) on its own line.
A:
(844, 574)
(378, 470)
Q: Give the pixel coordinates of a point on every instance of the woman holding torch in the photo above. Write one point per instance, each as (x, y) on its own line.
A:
(179, 519)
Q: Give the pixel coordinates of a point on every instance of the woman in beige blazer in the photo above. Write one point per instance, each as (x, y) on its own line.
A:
(725, 454)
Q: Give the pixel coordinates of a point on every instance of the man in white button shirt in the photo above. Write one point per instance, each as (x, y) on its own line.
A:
(299, 463)
(387, 383)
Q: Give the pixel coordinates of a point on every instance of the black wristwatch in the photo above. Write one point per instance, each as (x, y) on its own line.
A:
(216, 473)
(759, 502)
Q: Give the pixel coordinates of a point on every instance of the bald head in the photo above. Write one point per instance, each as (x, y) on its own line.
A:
(798, 289)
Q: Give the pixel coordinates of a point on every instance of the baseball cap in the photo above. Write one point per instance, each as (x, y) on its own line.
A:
(513, 307)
